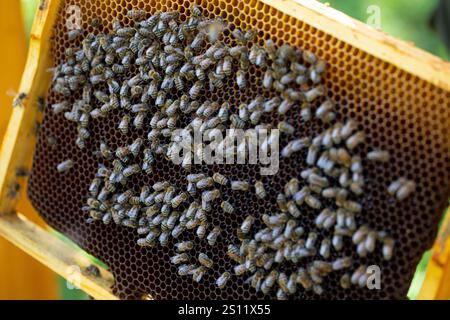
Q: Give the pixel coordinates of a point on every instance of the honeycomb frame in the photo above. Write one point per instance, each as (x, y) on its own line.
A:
(377, 87)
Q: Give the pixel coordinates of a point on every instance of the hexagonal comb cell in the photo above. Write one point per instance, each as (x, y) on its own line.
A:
(398, 112)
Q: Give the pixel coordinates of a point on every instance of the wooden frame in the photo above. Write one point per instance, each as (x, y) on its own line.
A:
(436, 285)
(56, 254)
(19, 138)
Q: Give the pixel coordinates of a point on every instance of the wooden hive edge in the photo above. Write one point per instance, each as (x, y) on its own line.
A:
(61, 257)
(399, 53)
(436, 284)
(57, 255)
(20, 134)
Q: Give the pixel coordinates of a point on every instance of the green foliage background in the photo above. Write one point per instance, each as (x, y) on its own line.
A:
(404, 19)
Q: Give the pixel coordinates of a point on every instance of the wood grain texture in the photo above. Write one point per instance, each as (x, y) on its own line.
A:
(18, 270)
(399, 53)
(436, 285)
(63, 258)
(19, 138)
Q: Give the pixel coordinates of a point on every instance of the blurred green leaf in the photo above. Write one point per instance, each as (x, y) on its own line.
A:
(404, 19)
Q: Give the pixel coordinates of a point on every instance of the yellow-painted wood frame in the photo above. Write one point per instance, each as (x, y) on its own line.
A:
(436, 285)
(57, 254)
(17, 269)
(35, 81)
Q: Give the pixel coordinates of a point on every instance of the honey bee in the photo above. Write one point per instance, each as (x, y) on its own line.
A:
(289, 231)
(370, 241)
(198, 273)
(342, 263)
(138, 120)
(195, 10)
(388, 248)
(223, 279)
(160, 185)
(94, 187)
(205, 182)
(282, 202)
(142, 242)
(291, 187)
(313, 202)
(293, 209)
(238, 35)
(205, 260)
(220, 179)
(260, 190)
(304, 279)
(178, 230)
(378, 155)
(405, 190)
(130, 170)
(136, 14)
(234, 253)
(294, 146)
(60, 107)
(240, 269)
(282, 282)
(321, 268)
(65, 166)
(255, 116)
(314, 93)
(179, 199)
(200, 215)
(288, 78)
(124, 197)
(223, 113)
(192, 209)
(191, 189)
(326, 219)
(285, 127)
(316, 71)
(354, 140)
(18, 100)
(311, 240)
(325, 111)
(237, 122)
(169, 194)
(241, 80)
(312, 155)
(227, 207)
(360, 234)
(325, 248)
(285, 106)
(210, 195)
(73, 34)
(201, 230)
(184, 269)
(247, 224)
(172, 220)
(238, 185)
(359, 276)
(194, 92)
(269, 281)
(164, 238)
(213, 235)
(179, 258)
(122, 153)
(268, 79)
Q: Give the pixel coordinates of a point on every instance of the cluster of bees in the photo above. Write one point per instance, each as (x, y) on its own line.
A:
(335, 174)
(156, 73)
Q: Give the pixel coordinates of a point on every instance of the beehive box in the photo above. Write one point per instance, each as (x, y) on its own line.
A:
(398, 95)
